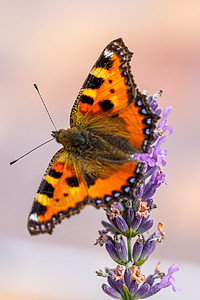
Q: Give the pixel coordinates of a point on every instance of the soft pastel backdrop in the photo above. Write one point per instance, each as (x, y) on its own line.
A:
(55, 43)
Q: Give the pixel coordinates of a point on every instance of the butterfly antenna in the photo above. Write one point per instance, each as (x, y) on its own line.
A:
(36, 87)
(14, 161)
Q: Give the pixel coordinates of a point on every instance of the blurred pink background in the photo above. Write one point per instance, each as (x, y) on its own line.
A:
(55, 43)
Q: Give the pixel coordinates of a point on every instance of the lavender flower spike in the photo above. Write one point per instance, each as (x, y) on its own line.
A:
(130, 219)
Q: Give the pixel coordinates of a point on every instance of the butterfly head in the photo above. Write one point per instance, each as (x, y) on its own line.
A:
(57, 134)
(72, 138)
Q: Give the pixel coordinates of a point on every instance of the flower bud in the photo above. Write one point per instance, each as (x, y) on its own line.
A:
(136, 223)
(127, 278)
(146, 250)
(133, 287)
(143, 290)
(137, 251)
(120, 249)
(121, 223)
(111, 292)
(111, 250)
(145, 226)
(129, 215)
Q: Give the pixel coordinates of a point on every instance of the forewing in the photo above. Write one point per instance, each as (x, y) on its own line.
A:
(109, 86)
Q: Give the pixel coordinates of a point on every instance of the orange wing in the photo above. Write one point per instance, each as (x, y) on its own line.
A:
(61, 193)
(140, 122)
(109, 87)
(103, 192)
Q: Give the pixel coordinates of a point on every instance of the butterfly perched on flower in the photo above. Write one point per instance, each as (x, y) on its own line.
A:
(110, 121)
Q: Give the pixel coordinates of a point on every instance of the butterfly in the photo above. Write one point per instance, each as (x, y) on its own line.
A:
(110, 121)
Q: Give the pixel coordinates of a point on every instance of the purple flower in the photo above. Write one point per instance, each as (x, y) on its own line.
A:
(163, 124)
(159, 153)
(158, 177)
(154, 103)
(156, 155)
(166, 281)
(146, 159)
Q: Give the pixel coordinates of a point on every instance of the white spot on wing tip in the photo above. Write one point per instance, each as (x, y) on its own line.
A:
(108, 53)
(33, 217)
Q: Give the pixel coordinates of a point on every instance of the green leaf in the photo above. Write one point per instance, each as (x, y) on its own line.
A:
(141, 261)
(127, 295)
(119, 262)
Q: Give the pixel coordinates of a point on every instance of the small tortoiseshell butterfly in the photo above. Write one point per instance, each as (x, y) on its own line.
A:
(110, 122)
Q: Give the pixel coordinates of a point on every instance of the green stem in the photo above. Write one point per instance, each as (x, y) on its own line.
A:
(129, 249)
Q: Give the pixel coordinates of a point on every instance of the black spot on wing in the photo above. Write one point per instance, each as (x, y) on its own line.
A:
(106, 105)
(93, 82)
(72, 181)
(89, 180)
(104, 62)
(46, 189)
(38, 208)
(86, 99)
(55, 174)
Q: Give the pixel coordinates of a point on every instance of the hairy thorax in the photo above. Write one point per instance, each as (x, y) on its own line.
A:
(75, 140)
